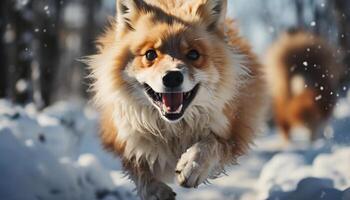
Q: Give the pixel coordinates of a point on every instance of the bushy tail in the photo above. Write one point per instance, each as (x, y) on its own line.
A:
(303, 75)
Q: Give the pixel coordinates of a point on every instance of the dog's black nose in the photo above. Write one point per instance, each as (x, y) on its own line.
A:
(173, 79)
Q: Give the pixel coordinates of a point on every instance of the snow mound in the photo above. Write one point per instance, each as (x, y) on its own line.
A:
(313, 188)
(40, 156)
(56, 154)
(287, 171)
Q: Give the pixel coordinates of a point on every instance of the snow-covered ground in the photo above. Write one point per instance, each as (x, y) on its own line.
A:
(55, 154)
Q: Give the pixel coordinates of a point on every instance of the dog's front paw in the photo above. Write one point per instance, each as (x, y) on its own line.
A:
(193, 167)
(157, 191)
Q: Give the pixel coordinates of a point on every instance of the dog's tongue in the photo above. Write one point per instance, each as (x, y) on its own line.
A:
(172, 101)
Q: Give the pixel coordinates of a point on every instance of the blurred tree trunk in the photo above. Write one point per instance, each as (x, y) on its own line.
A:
(3, 59)
(299, 5)
(78, 30)
(43, 39)
(8, 49)
(46, 51)
(342, 10)
(89, 39)
(21, 21)
(29, 53)
(319, 19)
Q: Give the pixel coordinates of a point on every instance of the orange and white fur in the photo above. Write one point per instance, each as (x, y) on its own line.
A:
(303, 76)
(180, 93)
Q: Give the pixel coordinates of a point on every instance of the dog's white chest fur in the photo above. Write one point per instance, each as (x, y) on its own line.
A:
(161, 144)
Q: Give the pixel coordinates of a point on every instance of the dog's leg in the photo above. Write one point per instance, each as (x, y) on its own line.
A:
(196, 164)
(148, 187)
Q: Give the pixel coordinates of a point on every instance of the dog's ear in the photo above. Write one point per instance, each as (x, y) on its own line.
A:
(212, 13)
(127, 11)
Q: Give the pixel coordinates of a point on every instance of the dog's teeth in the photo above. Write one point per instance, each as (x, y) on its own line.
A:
(164, 108)
(179, 109)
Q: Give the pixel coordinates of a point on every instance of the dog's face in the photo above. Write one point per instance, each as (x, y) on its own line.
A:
(166, 72)
(176, 51)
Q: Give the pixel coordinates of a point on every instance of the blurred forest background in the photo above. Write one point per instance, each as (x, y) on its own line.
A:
(42, 40)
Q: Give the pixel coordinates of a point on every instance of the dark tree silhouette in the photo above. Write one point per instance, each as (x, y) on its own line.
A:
(3, 62)
(42, 40)
(342, 11)
(45, 48)
(19, 62)
(38, 56)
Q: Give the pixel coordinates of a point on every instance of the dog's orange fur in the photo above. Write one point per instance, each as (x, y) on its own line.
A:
(241, 93)
(252, 96)
(241, 111)
(306, 56)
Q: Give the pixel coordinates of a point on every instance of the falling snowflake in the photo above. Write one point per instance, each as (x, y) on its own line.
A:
(319, 97)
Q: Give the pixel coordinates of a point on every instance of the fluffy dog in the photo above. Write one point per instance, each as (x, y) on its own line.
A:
(180, 93)
(303, 76)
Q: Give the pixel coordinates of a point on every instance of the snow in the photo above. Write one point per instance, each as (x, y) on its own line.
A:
(56, 154)
(284, 171)
(41, 155)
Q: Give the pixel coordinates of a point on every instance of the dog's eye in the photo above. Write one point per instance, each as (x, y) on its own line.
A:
(193, 55)
(151, 55)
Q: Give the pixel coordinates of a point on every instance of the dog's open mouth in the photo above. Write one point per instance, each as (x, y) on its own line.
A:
(172, 104)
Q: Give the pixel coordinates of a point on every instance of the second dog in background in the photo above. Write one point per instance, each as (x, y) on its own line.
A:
(303, 75)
